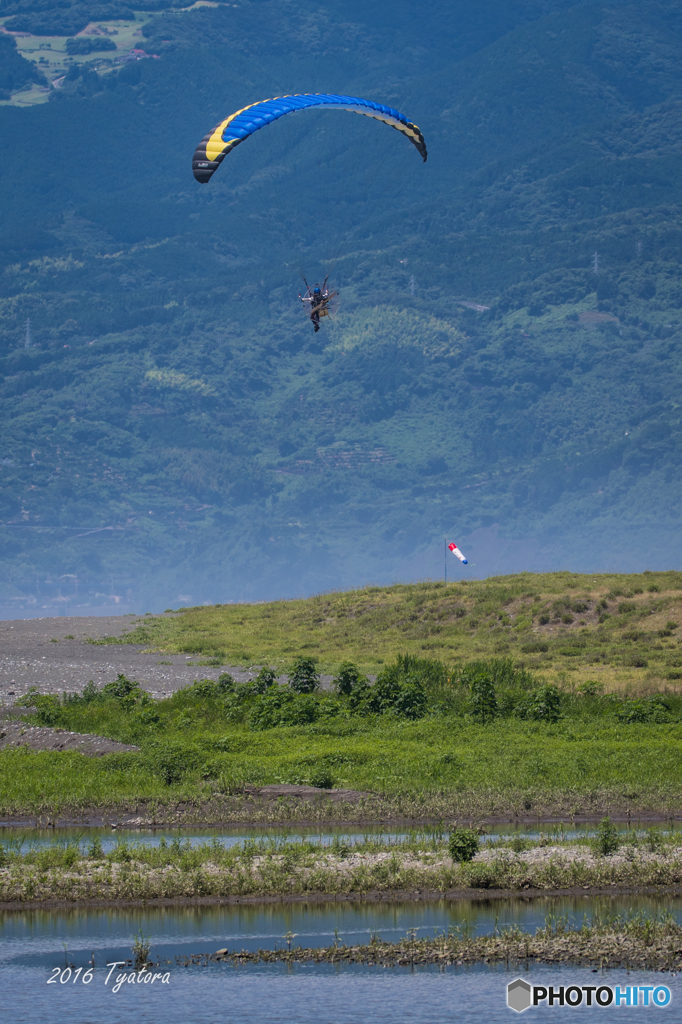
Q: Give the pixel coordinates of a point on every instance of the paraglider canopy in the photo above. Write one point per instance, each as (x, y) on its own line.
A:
(215, 146)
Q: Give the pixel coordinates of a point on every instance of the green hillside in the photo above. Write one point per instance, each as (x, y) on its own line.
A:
(619, 631)
(174, 432)
(558, 693)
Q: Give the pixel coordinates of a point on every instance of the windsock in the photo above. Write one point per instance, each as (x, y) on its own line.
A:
(455, 550)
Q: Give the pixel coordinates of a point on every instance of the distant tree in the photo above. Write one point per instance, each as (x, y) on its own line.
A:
(304, 677)
(348, 679)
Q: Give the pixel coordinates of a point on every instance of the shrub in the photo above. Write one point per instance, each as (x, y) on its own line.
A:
(650, 709)
(280, 707)
(89, 695)
(482, 876)
(172, 762)
(211, 769)
(543, 705)
(225, 682)
(205, 689)
(543, 619)
(391, 694)
(121, 688)
(70, 856)
(348, 679)
(590, 688)
(535, 647)
(607, 839)
(304, 677)
(264, 680)
(127, 693)
(653, 838)
(48, 709)
(463, 844)
(147, 717)
(321, 779)
(483, 705)
(635, 660)
(95, 850)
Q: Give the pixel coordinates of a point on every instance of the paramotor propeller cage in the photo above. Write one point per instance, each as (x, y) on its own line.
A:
(326, 306)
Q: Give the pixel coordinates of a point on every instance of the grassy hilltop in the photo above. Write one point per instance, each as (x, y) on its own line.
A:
(620, 629)
(520, 695)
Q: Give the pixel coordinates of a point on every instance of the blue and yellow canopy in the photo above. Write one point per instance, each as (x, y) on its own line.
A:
(213, 149)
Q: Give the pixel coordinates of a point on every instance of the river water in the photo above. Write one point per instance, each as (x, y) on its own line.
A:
(25, 838)
(36, 945)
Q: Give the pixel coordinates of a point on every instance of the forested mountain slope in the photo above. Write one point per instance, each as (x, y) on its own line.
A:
(172, 428)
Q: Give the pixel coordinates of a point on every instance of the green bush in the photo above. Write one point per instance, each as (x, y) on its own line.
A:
(481, 876)
(280, 707)
(304, 677)
(653, 837)
(225, 683)
(348, 679)
(463, 844)
(483, 705)
(172, 762)
(649, 709)
(391, 695)
(204, 689)
(264, 680)
(48, 709)
(542, 705)
(313, 771)
(590, 688)
(147, 717)
(90, 695)
(322, 778)
(121, 688)
(95, 850)
(607, 840)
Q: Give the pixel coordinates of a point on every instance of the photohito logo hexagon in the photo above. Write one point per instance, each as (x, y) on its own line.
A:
(518, 995)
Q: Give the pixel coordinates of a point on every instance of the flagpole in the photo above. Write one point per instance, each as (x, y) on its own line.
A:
(445, 559)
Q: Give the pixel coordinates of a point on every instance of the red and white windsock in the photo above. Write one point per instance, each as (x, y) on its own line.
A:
(455, 550)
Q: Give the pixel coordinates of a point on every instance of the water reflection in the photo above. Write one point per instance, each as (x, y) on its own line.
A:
(34, 942)
(31, 937)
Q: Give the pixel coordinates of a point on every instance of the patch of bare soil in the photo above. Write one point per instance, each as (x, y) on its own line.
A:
(17, 734)
(54, 656)
(336, 796)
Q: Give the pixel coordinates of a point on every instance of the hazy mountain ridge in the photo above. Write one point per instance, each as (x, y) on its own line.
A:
(222, 450)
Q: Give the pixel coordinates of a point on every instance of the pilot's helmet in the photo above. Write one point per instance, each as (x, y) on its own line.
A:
(316, 290)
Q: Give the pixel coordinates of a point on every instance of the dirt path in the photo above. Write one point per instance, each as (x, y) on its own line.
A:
(53, 655)
(20, 734)
(30, 657)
